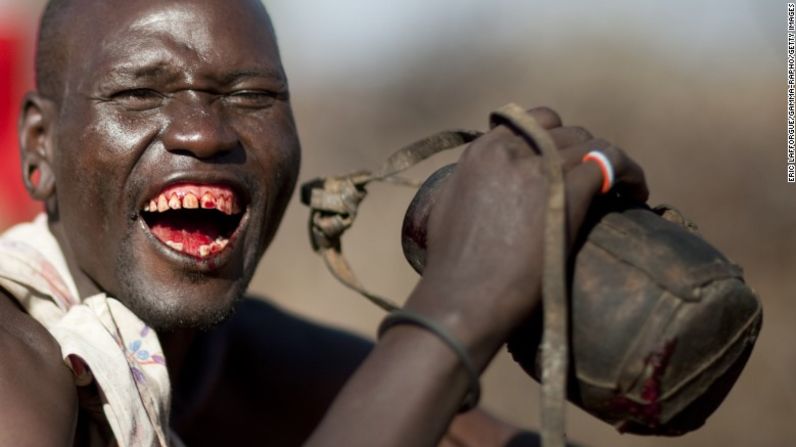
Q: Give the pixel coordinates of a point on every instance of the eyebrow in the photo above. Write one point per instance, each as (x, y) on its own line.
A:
(129, 72)
(262, 73)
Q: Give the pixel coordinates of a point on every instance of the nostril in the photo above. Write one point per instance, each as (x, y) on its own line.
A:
(204, 137)
(198, 126)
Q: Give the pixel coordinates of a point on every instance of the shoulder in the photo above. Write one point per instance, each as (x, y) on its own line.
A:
(36, 388)
(260, 323)
(280, 374)
(291, 349)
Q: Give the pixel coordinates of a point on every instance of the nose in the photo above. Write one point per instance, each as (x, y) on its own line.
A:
(197, 126)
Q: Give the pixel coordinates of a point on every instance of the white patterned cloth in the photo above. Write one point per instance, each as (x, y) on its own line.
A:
(101, 340)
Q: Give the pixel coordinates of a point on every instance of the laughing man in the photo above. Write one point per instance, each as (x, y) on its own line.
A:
(161, 140)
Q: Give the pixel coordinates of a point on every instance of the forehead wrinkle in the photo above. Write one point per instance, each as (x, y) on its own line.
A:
(180, 24)
(179, 34)
(160, 69)
(144, 71)
(135, 58)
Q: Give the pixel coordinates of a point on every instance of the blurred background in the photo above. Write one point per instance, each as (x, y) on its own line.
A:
(694, 90)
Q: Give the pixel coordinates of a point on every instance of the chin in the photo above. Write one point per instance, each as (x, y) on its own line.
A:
(167, 298)
(189, 307)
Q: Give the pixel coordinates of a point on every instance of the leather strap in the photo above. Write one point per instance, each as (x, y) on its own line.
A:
(554, 297)
(335, 201)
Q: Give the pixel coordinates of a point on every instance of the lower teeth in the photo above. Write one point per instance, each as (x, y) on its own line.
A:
(175, 245)
(204, 250)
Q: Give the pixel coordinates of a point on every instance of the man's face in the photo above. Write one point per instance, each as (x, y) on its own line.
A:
(175, 152)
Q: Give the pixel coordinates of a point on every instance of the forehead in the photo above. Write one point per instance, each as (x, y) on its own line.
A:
(194, 37)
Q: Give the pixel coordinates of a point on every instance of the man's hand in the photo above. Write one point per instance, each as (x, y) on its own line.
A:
(484, 261)
(481, 280)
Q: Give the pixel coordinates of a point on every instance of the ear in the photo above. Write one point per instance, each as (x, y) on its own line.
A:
(36, 145)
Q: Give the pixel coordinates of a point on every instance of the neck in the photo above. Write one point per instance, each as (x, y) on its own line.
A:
(175, 343)
(85, 286)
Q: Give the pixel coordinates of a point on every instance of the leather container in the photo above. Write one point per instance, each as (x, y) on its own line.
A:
(661, 323)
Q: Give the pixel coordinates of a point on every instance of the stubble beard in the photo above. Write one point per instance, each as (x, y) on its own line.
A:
(164, 314)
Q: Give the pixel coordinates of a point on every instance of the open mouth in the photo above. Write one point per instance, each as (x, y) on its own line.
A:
(195, 220)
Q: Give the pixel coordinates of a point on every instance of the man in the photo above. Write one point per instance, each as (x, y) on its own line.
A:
(162, 142)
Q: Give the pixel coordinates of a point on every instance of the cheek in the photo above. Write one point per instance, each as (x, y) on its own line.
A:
(283, 169)
(94, 159)
(115, 142)
(279, 158)
(101, 152)
(274, 156)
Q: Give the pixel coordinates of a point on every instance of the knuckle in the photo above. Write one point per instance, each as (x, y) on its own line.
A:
(486, 149)
(471, 152)
(533, 169)
(600, 144)
(511, 144)
(580, 133)
(617, 155)
(516, 146)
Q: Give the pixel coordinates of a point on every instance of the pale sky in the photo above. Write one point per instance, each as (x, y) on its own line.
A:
(334, 35)
(332, 38)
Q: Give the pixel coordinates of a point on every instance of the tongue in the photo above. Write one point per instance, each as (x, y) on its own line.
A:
(191, 233)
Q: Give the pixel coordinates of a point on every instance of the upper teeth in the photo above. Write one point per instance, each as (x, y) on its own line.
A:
(208, 201)
(189, 201)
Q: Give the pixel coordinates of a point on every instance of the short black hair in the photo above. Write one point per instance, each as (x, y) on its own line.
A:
(50, 48)
(52, 52)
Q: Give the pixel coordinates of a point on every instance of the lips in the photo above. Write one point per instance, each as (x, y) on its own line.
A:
(196, 220)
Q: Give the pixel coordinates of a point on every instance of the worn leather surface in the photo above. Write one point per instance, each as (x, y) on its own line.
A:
(662, 325)
(661, 322)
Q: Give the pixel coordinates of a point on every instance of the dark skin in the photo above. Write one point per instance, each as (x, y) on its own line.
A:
(175, 108)
(195, 90)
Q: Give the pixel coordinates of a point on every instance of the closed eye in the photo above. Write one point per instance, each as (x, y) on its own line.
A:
(138, 99)
(252, 98)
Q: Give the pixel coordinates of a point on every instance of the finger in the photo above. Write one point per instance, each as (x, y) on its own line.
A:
(585, 181)
(500, 139)
(588, 176)
(563, 137)
(514, 143)
(582, 186)
(517, 144)
(569, 136)
(629, 180)
(546, 117)
(573, 155)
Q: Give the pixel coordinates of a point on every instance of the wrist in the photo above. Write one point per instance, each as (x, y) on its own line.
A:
(481, 315)
(424, 352)
(405, 317)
